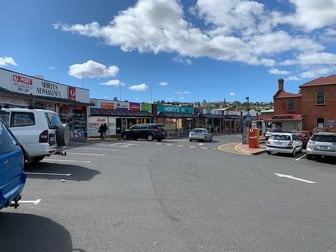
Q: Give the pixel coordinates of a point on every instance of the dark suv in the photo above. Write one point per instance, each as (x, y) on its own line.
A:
(149, 131)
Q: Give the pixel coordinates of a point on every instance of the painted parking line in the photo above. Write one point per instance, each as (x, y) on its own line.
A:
(34, 202)
(49, 174)
(67, 160)
(302, 156)
(95, 149)
(87, 154)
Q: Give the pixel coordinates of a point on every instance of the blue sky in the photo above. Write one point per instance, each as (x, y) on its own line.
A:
(172, 50)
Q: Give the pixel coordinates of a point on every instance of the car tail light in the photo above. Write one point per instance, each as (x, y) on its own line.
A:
(44, 137)
(290, 144)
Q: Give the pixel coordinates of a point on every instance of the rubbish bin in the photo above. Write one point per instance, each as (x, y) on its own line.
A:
(254, 138)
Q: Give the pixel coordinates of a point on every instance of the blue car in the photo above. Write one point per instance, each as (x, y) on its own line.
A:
(12, 176)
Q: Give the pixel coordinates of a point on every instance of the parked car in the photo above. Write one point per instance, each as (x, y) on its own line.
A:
(270, 132)
(12, 176)
(304, 136)
(321, 144)
(200, 134)
(149, 131)
(283, 143)
(40, 131)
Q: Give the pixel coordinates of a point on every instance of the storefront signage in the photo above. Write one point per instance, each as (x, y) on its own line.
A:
(72, 93)
(29, 85)
(49, 89)
(107, 105)
(175, 109)
(22, 84)
(146, 107)
(134, 106)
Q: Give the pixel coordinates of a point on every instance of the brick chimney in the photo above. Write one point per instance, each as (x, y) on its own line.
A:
(281, 84)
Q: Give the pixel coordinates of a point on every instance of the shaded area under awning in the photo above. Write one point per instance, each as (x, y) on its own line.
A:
(119, 113)
(174, 115)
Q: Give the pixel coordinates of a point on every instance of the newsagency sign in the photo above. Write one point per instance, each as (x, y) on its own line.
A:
(175, 109)
(25, 84)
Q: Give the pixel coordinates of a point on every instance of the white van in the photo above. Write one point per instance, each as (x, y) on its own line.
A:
(40, 131)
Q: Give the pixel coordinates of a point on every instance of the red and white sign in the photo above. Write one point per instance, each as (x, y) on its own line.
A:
(72, 93)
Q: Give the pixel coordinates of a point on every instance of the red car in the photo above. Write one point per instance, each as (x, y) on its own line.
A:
(304, 136)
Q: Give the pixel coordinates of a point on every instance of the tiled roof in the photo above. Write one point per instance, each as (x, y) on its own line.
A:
(330, 80)
(284, 94)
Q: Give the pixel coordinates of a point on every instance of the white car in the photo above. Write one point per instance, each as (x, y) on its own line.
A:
(40, 131)
(200, 134)
(321, 144)
(283, 143)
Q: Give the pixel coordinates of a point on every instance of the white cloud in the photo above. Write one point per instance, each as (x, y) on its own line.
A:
(163, 84)
(113, 83)
(92, 69)
(139, 87)
(312, 14)
(278, 72)
(232, 94)
(182, 92)
(4, 61)
(232, 31)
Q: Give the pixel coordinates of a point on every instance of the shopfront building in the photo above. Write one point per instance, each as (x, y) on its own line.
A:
(71, 103)
(178, 120)
(118, 115)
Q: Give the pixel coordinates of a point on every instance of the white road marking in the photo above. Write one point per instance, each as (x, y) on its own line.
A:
(35, 202)
(49, 174)
(86, 154)
(294, 178)
(299, 158)
(67, 160)
(99, 149)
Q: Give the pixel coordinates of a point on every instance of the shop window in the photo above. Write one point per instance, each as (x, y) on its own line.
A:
(320, 97)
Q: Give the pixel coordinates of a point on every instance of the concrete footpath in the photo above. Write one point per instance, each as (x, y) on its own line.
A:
(245, 149)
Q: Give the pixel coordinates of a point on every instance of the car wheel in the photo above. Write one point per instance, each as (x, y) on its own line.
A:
(150, 137)
(63, 135)
(124, 136)
(269, 152)
(294, 152)
(309, 156)
(159, 139)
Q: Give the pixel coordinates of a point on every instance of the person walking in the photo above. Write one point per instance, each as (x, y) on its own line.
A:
(104, 130)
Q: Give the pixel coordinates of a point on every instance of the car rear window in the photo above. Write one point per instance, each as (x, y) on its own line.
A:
(281, 137)
(20, 119)
(324, 138)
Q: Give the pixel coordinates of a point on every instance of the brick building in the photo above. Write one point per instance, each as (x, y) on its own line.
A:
(319, 103)
(313, 107)
(287, 110)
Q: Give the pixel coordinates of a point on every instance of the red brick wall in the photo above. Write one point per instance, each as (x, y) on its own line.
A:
(311, 111)
(281, 105)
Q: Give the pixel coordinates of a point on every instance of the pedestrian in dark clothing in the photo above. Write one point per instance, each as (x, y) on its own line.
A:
(100, 130)
(104, 129)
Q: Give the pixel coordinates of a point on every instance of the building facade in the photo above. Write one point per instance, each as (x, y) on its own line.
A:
(70, 102)
(312, 108)
(319, 103)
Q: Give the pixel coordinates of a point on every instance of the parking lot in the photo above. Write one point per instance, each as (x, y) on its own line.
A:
(173, 196)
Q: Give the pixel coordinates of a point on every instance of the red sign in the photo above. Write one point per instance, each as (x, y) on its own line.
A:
(72, 93)
(23, 80)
